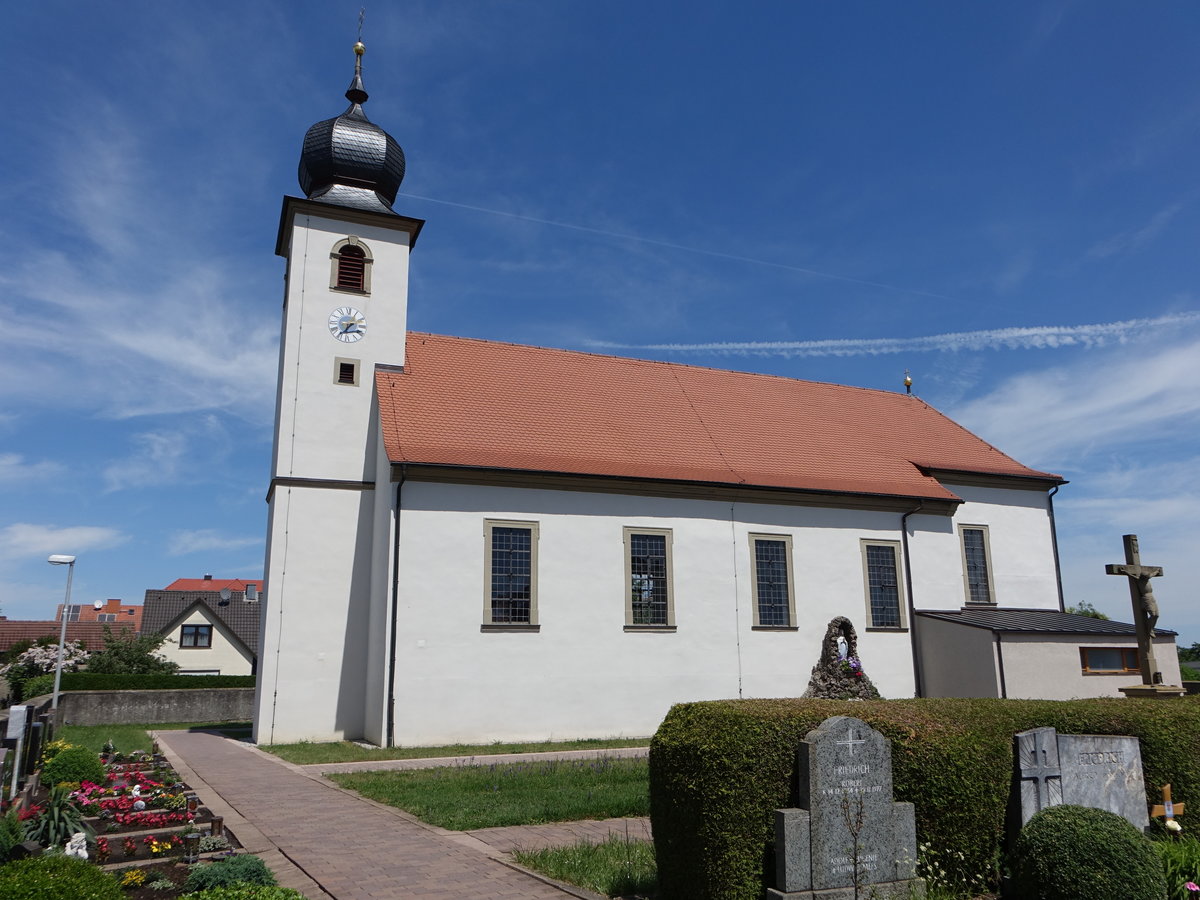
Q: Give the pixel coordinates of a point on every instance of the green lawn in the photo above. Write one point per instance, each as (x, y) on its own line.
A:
(134, 737)
(467, 797)
(307, 752)
(616, 867)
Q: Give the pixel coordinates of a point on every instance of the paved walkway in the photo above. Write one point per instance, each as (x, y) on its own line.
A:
(328, 842)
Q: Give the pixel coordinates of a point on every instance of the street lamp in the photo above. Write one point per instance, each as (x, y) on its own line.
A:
(59, 559)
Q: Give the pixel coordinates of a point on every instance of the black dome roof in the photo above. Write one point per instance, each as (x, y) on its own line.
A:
(348, 161)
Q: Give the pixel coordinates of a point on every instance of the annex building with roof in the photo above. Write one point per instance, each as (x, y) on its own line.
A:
(476, 541)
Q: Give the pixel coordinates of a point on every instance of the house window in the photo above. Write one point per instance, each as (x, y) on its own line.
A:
(1109, 660)
(774, 602)
(106, 617)
(649, 600)
(350, 266)
(881, 574)
(977, 566)
(196, 636)
(510, 566)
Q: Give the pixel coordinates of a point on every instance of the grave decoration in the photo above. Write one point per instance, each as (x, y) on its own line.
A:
(838, 674)
(1103, 771)
(847, 837)
(1168, 810)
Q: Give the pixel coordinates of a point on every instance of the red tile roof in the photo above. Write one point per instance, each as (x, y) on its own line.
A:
(463, 402)
(91, 633)
(212, 584)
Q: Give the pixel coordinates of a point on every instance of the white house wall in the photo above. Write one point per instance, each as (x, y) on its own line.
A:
(1020, 546)
(582, 674)
(224, 657)
(1037, 668)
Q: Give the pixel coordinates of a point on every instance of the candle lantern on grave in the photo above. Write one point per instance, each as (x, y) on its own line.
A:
(191, 847)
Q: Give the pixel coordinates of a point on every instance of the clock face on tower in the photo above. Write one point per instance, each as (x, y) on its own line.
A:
(347, 324)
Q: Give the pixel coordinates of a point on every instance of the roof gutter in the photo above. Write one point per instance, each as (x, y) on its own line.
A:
(918, 687)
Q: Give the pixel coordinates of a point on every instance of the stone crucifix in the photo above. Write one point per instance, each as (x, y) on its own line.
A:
(1145, 607)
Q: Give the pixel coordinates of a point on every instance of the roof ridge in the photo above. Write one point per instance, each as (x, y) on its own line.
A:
(661, 362)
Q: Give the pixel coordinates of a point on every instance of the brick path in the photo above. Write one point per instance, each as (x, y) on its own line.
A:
(327, 842)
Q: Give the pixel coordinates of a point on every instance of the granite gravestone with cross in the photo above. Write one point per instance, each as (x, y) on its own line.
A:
(847, 837)
(1103, 771)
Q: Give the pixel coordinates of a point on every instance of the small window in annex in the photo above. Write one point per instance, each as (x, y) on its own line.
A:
(881, 575)
(196, 636)
(510, 573)
(649, 600)
(977, 564)
(350, 267)
(1109, 660)
(774, 601)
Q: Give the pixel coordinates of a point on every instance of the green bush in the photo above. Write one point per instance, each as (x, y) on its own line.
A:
(93, 681)
(1068, 852)
(718, 769)
(1181, 861)
(56, 878)
(12, 832)
(73, 764)
(229, 871)
(247, 892)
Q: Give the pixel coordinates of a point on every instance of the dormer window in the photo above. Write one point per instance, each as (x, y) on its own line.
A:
(350, 268)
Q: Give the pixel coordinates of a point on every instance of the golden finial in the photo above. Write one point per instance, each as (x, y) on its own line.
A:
(360, 48)
(907, 382)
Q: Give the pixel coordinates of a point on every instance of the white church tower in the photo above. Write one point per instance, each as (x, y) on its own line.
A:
(344, 314)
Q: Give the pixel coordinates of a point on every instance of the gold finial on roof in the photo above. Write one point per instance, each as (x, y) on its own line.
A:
(907, 382)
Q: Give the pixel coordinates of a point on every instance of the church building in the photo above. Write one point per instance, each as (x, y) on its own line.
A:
(477, 541)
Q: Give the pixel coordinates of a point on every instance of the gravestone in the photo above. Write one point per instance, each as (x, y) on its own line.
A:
(1099, 770)
(14, 739)
(846, 829)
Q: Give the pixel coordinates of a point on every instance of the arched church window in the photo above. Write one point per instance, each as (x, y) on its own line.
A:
(351, 267)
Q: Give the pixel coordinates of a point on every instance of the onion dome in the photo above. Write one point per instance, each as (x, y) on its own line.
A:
(348, 161)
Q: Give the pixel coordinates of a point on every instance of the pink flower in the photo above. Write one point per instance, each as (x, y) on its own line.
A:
(1192, 886)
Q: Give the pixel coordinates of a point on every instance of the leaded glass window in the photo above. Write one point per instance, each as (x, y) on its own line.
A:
(883, 585)
(511, 574)
(771, 582)
(975, 562)
(649, 582)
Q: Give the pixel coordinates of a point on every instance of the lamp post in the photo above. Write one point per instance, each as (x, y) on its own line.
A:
(69, 561)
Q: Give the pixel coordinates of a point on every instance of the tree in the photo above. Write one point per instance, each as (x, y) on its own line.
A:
(1086, 609)
(130, 654)
(1190, 654)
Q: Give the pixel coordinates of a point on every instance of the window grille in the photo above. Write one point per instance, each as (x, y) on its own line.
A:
(883, 586)
(979, 587)
(351, 268)
(771, 582)
(346, 373)
(648, 579)
(512, 574)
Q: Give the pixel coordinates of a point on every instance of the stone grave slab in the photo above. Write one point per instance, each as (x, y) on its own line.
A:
(846, 827)
(1097, 770)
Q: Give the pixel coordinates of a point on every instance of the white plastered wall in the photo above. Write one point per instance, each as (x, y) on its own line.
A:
(224, 657)
(1050, 669)
(958, 660)
(1020, 545)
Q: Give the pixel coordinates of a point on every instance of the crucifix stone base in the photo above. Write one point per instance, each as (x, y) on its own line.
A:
(1152, 691)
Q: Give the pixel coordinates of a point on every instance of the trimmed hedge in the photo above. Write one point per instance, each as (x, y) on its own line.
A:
(92, 681)
(719, 768)
(56, 878)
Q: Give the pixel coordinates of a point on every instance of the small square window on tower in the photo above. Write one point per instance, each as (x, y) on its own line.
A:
(345, 371)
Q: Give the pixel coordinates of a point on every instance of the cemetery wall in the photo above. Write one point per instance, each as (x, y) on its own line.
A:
(152, 707)
(727, 765)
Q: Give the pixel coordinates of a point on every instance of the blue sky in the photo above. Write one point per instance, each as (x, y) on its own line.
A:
(1000, 198)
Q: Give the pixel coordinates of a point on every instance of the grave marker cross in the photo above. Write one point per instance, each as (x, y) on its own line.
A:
(851, 741)
(1039, 766)
(1145, 607)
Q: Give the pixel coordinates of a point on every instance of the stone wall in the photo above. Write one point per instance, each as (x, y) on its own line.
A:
(153, 707)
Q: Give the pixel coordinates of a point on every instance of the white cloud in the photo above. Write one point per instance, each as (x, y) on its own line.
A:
(1040, 337)
(23, 539)
(162, 457)
(1134, 395)
(1134, 238)
(183, 542)
(13, 467)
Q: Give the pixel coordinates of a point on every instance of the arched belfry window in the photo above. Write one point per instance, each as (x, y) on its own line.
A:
(350, 268)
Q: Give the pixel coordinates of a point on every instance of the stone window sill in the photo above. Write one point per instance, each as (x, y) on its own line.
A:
(515, 627)
(668, 629)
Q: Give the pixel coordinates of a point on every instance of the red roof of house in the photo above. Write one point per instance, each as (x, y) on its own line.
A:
(212, 584)
(472, 403)
(91, 633)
